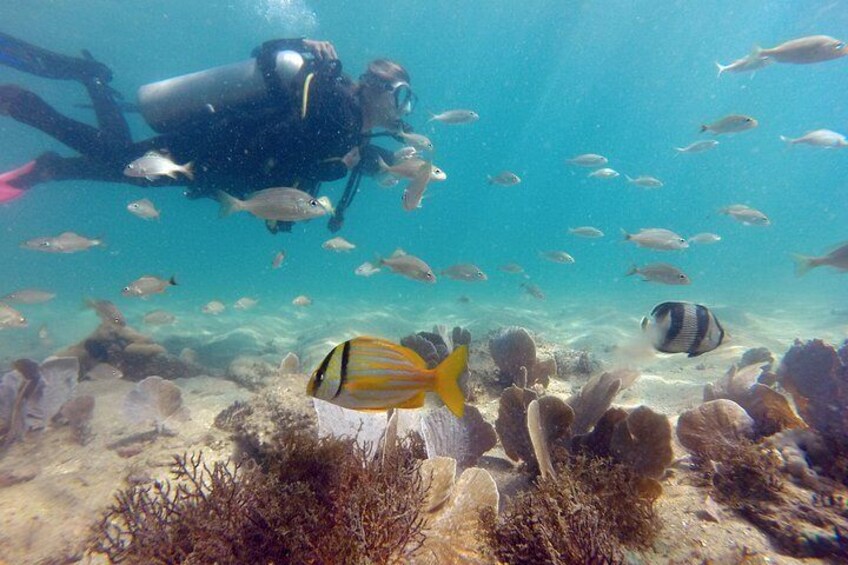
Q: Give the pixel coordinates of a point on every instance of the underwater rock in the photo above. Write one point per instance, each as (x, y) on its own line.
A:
(757, 355)
(78, 412)
(511, 424)
(715, 422)
(642, 441)
(234, 417)
(134, 354)
(797, 448)
(154, 400)
(463, 439)
(452, 511)
(513, 348)
(593, 400)
(816, 376)
(251, 372)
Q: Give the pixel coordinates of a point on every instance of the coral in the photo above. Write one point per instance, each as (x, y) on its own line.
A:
(816, 375)
(464, 439)
(642, 442)
(154, 400)
(451, 512)
(234, 417)
(308, 500)
(583, 515)
(548, 423)
(597, 442)
(715, 423)
(290, 364)
(511, 424)
(512, 348)
(758, 356)
(460, 336)
(251, 372)
(77, 412)
(593, 400)
(423, 347)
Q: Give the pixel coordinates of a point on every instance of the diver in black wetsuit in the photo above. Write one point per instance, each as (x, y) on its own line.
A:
(286, 117)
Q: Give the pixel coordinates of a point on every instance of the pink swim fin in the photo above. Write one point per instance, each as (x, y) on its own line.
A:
(9, 192)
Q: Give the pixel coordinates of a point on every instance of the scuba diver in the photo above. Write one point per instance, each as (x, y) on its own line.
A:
(287, 116)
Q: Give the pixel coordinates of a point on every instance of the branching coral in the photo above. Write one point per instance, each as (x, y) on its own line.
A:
(306, 501)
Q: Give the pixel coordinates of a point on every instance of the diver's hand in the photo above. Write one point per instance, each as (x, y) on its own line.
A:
(352, 158)
(323, 50)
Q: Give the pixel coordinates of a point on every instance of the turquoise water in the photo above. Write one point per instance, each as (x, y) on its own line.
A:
(550, 80)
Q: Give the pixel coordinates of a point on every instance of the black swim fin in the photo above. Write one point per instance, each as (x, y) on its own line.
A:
(29, 58)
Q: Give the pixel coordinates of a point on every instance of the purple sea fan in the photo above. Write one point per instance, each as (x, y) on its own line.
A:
(154, 400)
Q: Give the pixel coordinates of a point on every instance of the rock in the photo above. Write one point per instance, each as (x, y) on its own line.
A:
(709, 511)
(757, 355)
(713, 422)
(253, 373)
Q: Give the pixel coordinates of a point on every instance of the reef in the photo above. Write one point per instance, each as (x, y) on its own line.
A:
(134, 354)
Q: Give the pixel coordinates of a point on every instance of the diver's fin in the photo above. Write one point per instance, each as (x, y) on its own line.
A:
(447, 380)
(8, 191)
(29, 58)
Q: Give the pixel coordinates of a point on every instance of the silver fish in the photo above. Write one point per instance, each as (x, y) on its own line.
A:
(533, 290)
(144, 209)
(818, 138)
(418, 141)
(153, 165)
(147, 285)
(107, 311)
(366, 269)
(733, 123)
(213, 307)
(657, 238)
(159, 318)
(512, 268)
(504, 178)
(586, 231)
(704, 238)
(338, 244)
(604, 173)
(407, 152)
(302, 300)
(645, 181)
(11, 318)
(29, 296)
(558, 257)
(806, 50)
(465, 272)
(280, 204)
(67, 242)
(837, 258)
(408, 266)
(245, 303)
(660, 273)
(408, 168)
(278, 260)
(746, 215)
(683, 327)
(749, 63)
(698, 146)
(455, 117)
(414, 192)
(588, 160)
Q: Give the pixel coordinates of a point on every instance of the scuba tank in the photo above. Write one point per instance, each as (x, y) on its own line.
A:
(175, 102)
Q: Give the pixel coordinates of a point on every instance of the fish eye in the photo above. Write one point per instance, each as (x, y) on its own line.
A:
(314, 203)
(749, 119)
(681, 240)
(45, 244)
(681, 276)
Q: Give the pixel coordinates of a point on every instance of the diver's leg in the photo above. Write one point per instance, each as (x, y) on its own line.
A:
(28, 108)
(110, 118)
(28, 58)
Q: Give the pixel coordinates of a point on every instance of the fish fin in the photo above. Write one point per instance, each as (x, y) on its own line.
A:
(721, 68)
(381, 163)
(644, 323)
(153, 153)
(172, 281)
(150, 178)
(447, 380)
(188, 170)
(489, 179)
(627, 236)
(171, 174)
(786, 140)
(704, 128)
(757, 51)
(628, 178)
(802, 264)
(432, 117)
(397, 253)
(416, 401)
(631, 271)
(229, 204)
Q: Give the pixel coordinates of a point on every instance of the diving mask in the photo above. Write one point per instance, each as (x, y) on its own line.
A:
(405, 99)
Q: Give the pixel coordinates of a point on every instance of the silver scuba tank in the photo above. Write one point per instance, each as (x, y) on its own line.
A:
(168, 104)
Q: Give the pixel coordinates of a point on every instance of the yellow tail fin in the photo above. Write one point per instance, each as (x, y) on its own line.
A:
(447, 380)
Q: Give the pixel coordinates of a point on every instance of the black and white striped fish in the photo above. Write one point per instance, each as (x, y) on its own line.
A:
(683, 327)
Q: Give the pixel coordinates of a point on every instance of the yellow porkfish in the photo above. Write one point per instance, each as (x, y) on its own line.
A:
(367, 373)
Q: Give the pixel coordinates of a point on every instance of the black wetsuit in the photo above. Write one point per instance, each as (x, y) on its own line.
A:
(239, 151)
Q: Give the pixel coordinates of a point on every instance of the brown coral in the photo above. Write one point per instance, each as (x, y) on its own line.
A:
(642, 442)
(511, 424)
(717, 422)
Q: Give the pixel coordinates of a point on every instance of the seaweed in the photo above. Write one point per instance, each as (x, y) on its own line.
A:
(588, 513)
(306, 500)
